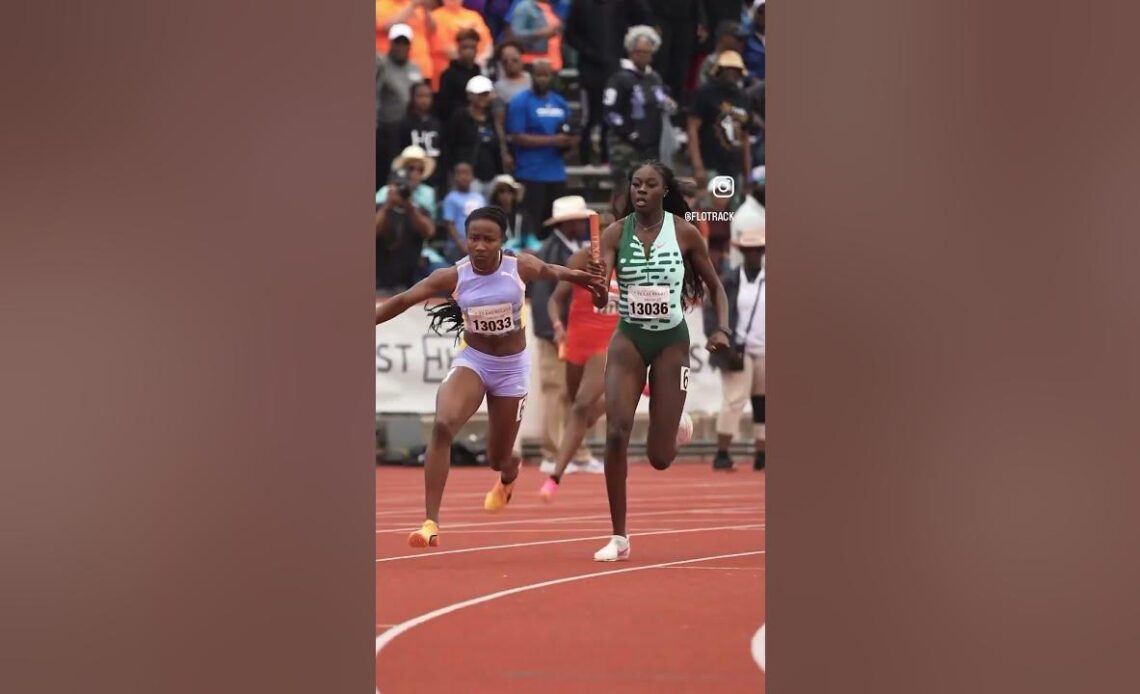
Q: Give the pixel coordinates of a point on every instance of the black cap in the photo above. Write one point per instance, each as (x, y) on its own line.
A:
(728, 26)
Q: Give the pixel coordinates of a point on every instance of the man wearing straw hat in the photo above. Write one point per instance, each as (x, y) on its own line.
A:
(570, 231)
(742, 368)
(719, 146)
(404, 212)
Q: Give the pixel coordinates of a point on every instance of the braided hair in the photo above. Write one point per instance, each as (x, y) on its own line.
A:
(447, 317)
(693, 288)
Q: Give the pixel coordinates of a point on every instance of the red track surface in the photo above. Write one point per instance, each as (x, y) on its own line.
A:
(688, 627)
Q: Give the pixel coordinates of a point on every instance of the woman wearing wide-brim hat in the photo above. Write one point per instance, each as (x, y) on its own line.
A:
(507, 194)
(742, 368)
(570, 233)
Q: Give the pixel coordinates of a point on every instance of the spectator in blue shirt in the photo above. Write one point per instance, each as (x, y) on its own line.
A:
(537, 127)
(496, 14)
(459, 203)
(756, 45)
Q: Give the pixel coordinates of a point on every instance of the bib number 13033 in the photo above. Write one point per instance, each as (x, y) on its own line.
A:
(491, 320)
(648, 302)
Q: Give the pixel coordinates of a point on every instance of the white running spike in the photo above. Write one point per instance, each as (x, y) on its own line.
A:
(616, 550)
(684, 429)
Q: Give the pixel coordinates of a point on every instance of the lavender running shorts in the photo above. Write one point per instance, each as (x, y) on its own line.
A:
(507, 376)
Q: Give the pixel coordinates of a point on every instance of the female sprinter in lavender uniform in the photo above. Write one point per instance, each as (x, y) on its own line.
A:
(487, 290)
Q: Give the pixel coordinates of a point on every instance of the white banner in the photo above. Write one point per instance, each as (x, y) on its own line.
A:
(411, 361)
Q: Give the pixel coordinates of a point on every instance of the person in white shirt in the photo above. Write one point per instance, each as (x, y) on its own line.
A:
(750, 214)
(742, 369)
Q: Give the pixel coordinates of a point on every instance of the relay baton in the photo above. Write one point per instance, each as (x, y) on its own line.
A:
(595, 238)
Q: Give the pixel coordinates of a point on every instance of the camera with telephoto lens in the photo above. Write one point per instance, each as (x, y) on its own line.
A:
(400, 183)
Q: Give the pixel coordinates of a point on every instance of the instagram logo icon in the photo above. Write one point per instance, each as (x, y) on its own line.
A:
(724, 186)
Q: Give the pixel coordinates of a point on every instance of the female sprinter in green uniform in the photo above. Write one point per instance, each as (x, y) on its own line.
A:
(661, 260)
(487, 298)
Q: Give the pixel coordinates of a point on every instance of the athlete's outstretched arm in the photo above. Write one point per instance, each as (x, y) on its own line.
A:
(698, 251)
(610, 237)
(438, 282)
(531, 269)
(557, 302)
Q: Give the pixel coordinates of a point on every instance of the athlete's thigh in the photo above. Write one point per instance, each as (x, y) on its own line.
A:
(625, 379)
(593, 384)
(458, 397)
(573, 379)
(669, 385)
(551, 374)
(504, 416)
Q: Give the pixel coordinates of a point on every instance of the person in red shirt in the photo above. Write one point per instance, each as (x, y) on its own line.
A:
(582, 345)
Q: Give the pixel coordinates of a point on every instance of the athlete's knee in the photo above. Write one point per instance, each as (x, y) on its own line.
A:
(618, 431)
(595, 414)
(444, 431)
(582, 411)
(661, 457)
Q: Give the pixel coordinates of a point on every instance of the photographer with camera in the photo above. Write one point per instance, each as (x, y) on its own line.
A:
(405, 209)
(742, 368)
(538, 129)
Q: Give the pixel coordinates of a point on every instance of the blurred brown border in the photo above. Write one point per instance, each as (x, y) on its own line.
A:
(186, 427)
(954, 332)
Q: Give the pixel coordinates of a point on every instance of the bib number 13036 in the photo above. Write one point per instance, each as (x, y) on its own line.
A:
(648, 302)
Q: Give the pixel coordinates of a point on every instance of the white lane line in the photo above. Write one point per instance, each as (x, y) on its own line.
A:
(414, 492)
(598, 525)
(758, 647)
(717, 568)
(602, 525)
(742, 505)
(595, 516)
(385, 638)
(487, 548)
